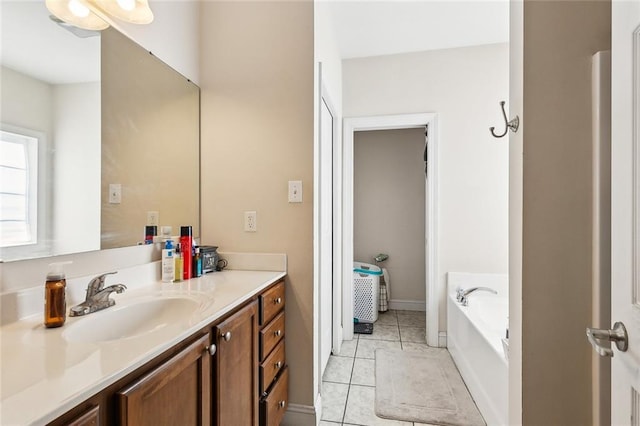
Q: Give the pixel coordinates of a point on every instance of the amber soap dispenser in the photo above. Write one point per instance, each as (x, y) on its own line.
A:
(55, 303)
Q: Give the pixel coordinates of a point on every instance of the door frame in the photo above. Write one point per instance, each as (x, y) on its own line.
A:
(389, 122)
(336, 320)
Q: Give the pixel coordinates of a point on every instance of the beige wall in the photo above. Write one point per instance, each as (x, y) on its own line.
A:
(559, 41)
(389, 206)
(257, 133)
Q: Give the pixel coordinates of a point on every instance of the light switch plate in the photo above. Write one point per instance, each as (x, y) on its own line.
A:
(115, 193)
(295, 191)
(153, 218)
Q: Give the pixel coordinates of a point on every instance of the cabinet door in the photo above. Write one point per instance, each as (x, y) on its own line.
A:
(236, 368)
(176, 393)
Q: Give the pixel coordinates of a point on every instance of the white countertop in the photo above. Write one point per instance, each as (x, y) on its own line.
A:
(43, 375)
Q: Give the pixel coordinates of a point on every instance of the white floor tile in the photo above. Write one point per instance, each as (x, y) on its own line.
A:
(387, 318)
(367, 348)
(412, 319)
(382, 332)
(348, 348)
(413, 334)
(364, 372)
(334, 399)
(338, 370)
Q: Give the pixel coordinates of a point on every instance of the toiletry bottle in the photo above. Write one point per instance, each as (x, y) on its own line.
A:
(55, 303)
(197, 263)
(179, 264)
(150, 231)
(186, 242)
(168, 263)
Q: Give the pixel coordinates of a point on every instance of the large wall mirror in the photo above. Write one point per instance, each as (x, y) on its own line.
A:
(82, 113)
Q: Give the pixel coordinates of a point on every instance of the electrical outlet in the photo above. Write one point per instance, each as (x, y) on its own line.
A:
(115, 193)
(250, 222)
(153, 218)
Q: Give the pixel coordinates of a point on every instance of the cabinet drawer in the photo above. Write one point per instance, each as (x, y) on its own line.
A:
(271, 335)
(271, 366)
(274, 405)
(90, 418)
(271, 302)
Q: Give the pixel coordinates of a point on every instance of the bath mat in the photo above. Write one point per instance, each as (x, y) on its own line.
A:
(423, 387)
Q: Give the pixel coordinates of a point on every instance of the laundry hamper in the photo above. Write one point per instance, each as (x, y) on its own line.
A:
(366, 290)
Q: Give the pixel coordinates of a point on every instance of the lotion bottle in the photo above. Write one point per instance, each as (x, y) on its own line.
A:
(55, 303)
(178, 265)
(168, 263)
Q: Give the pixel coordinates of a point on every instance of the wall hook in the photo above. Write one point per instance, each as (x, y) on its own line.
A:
(513, 124)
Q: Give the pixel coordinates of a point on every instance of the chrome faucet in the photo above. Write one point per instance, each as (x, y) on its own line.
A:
(97, 296)
(462, 294)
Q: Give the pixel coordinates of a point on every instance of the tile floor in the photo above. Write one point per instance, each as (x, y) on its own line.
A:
(348, 384)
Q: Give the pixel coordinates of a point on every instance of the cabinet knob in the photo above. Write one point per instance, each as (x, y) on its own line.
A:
(211, 349)
(227, 336)
(282, 403)
(278, 364)
(277, 333)
(277, 300)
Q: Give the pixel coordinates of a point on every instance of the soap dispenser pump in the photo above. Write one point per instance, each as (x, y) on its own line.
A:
(55, 304)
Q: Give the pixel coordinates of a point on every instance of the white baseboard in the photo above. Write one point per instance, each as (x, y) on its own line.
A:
(442, 339)
(407, 305)
(300, 415)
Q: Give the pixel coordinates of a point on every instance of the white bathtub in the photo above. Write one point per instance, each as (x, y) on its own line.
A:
(474, 339)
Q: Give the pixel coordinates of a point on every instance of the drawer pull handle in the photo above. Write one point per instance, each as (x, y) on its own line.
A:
(227, 336)
(278, 364)
(211, 349)
(277, 333)
(281, 404)
(277, 300)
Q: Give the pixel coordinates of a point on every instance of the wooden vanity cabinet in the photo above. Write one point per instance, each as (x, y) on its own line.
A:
(274, 375)
(232, 372)
(236, 368)
(175, 393)
(91, 417)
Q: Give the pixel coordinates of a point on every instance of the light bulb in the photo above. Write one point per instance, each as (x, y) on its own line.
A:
(127, 4)
(78, 9)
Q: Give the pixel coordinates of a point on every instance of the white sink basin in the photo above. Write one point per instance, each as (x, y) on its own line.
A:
(131, 319)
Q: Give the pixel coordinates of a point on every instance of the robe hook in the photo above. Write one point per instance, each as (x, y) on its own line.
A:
(513, 124)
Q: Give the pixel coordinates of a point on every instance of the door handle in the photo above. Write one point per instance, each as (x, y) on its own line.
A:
(618, 335)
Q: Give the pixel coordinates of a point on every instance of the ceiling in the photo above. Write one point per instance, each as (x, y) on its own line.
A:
(375, 27)
(362, 28)
(34, 45)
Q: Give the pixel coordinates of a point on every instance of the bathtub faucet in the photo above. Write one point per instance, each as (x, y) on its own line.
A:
(462, 294)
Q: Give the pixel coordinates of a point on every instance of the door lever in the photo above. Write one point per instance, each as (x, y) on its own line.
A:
(618, 335)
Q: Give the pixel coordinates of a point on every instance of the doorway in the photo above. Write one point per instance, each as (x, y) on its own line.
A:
(389, 122)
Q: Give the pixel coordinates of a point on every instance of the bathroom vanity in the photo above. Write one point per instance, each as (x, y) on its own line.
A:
(212, 353)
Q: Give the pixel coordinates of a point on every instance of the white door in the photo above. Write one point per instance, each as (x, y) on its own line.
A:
(625, 209)
(326, 233)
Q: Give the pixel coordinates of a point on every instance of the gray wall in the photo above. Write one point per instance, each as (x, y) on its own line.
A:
(389, 207)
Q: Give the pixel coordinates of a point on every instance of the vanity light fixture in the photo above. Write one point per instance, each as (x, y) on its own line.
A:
(96, 14)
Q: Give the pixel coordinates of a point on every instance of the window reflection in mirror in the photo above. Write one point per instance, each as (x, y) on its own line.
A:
(50, 90)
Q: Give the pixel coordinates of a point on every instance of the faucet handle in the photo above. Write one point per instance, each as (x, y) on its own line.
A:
(97, 283)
